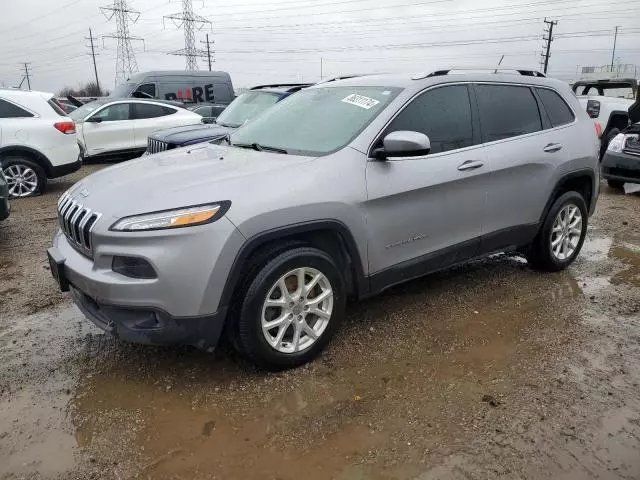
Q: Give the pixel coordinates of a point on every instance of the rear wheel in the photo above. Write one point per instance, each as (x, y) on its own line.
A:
(562, 235)
(615, 184)
(291, 309)
(25, 177)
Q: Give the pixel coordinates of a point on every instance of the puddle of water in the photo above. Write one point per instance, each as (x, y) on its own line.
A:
(629, 255)
(35, 388)
(405, 376)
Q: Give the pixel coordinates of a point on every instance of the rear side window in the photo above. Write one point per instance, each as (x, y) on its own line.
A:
(147, 110)
(9, 110)
(557, 109)
(443, 114)
(507, 111)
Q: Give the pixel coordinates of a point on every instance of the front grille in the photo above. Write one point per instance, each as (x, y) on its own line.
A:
(77, 222)
(156, 146)
(632, 147)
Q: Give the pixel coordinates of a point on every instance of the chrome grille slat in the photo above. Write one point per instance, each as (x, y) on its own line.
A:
(77, 222)
(156, 146)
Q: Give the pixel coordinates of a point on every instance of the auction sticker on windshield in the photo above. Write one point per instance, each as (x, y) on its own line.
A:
(361, 101)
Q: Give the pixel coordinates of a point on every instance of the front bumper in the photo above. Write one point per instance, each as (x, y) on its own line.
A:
(622, 167)
(181, 305)
(151, 327)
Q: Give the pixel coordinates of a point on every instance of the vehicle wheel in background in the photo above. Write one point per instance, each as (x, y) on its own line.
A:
(562, 234)
(291, 309)
(25, 177)
(615, 184)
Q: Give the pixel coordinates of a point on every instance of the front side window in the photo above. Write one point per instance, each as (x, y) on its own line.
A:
(443, 114)
(245, 107)
(148, 89)
(316, 121)
(114, 113)
(507, 111)
(10, 110)
(557, 109)
(147, 110)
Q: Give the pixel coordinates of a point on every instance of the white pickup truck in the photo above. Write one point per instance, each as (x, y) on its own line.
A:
(607, 102)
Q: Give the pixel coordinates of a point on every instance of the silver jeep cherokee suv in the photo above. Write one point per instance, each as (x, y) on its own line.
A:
(340, 190)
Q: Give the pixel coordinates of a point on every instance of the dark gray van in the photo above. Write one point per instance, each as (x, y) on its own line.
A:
(181, 86)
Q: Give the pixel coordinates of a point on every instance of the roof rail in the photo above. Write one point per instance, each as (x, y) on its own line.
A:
(342, 77)
(277, 85)
(528, 72)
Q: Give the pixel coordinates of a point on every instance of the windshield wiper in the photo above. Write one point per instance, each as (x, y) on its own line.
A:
(259, 148)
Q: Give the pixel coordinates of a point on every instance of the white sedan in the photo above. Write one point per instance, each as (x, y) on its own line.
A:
(118, 128)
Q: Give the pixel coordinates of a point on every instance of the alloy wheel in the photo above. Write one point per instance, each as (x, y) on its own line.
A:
(21, 179)
(566, 232)
(297, 310)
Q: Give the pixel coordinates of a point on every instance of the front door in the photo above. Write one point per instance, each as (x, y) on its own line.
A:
(113, 133)
(426, 212)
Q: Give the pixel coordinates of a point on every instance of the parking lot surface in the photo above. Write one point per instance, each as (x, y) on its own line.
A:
(487, 370)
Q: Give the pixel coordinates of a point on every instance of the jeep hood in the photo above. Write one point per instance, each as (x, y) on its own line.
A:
(634, 111)
(191, 133)
(178, 178)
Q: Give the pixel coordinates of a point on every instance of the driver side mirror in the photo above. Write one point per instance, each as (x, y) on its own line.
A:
(94, 119)
(403, 143)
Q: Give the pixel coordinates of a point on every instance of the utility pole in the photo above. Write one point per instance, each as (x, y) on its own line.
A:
(26, 74)
(613, 54)
(126, 63)
(548, 39)
(188, 21)
(93, 55)
(208, 44)
(321, 68)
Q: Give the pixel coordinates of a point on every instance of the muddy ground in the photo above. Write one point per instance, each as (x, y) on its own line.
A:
(486, 371)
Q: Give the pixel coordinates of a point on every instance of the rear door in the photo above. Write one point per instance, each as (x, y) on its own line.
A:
(150, 117)
(114, 131)
(524, 150)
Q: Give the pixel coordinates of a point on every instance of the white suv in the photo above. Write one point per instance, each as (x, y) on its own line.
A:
(37, 141)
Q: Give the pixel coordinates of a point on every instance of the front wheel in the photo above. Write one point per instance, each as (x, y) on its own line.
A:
(562, 234)
(291, 309)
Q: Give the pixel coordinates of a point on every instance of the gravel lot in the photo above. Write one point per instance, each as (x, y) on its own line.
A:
(489, 370)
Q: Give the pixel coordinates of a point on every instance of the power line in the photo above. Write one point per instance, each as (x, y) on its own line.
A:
(126, 63)
(188, 21)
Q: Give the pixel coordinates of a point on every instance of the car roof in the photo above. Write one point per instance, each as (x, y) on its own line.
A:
(419, 81)
(17, 93)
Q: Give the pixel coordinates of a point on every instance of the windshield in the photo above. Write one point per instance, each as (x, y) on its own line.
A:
(317, 121)
(82, 112)
(123, 90)
(245, 107)
(616, 90)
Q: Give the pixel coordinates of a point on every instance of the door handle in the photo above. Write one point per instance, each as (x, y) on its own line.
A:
(470, 165)
(552, 147)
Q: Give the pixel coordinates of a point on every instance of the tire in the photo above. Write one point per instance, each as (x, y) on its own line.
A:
(615, 184)
(33, 176)
(541, 255)
(281, 354)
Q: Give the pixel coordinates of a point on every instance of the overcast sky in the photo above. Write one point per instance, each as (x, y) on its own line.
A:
(259, 41)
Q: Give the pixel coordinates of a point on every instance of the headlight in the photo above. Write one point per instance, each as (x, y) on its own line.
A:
(617, 144)
(181, 217)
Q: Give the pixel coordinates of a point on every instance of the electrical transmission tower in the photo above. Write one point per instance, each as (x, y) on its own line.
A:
(544, 60)
(126, 63)
(189, 22)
